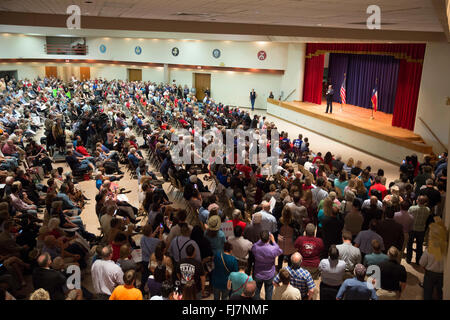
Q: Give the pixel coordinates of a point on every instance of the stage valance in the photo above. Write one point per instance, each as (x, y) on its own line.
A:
(409, 52)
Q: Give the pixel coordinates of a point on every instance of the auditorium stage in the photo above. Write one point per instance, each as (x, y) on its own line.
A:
(352, 126)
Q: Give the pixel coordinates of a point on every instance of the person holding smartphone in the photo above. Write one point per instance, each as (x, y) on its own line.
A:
(265, 251)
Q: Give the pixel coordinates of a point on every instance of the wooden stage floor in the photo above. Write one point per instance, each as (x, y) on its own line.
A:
(358, 119)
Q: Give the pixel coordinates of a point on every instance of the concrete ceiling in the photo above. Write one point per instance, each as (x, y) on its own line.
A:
(400, 15)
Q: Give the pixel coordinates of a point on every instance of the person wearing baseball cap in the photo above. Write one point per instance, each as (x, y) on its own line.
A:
(357, 288)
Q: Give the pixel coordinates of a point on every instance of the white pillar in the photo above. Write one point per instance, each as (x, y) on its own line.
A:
(294, 72)
(166, 73)
(446, 293)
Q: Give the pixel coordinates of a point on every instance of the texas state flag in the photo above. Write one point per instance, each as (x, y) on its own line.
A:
(374, 98)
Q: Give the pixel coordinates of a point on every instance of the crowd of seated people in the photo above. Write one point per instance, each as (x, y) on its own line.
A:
(315, 218)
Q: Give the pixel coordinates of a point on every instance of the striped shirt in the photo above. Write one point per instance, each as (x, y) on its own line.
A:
(420, 214)
(300, 279)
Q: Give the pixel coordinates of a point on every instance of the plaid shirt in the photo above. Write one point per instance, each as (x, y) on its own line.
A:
(300, 279)
(420, 214)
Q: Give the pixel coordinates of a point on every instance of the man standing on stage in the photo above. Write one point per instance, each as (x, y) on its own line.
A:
(329, 96)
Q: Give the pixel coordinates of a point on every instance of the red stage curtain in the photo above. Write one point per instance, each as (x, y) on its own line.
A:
(410, 72)
(408, 84)
(312, 85)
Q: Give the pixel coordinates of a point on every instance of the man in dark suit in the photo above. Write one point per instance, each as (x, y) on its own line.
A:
(51, 280)
(329, 96)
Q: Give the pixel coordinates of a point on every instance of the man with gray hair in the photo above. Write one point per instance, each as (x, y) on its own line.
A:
(268, 221)
(106, 275)
(248, 293)
(51, 280)
(356, 288)
(300, 278)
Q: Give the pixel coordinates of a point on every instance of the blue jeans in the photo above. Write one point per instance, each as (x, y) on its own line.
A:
(220, 294)
(84, 165)
(268, 288)
(253, 104)
(9, 164)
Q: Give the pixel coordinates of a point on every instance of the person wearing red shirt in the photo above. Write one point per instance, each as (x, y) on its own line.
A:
(133, 142)
(237, 219)
(183, 122)
(245, 168)
(378, 186)
(310, 247)
(318, 157)
(81, 149)
(119, 240)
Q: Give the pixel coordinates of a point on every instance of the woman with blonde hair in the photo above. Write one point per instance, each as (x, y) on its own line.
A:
(53, 228)
(351, 186)
(356, 170)
(394, 191)
(348, 166)
(40, 294)
(347, 203)
(285, 197)
(333, 197)
(361, 191)
(325, 211)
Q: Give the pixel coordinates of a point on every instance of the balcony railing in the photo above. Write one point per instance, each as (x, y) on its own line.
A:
(66, 49)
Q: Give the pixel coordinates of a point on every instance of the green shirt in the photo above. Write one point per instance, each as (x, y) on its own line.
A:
(238, 280)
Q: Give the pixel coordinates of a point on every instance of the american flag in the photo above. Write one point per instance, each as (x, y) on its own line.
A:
(343, 91)
(374, 98)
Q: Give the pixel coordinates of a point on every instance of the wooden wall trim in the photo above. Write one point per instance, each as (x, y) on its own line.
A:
(145, 64)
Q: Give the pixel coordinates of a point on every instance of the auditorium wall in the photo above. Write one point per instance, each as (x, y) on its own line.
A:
(24, 70)
(227, 87)
(434, 91)
(233, 88)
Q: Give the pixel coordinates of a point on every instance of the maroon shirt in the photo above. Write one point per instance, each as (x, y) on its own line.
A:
(310, 249)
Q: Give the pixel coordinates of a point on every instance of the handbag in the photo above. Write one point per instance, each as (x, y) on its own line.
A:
(224, 264)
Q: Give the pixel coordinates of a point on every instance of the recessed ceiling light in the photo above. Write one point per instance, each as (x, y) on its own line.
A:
(319, 24)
